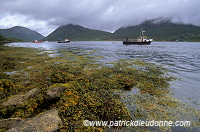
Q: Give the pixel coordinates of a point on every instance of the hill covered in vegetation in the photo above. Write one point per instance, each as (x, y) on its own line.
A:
(7, 40)
(78, 33)
(158, 29)
(162, 30)
(21, 33)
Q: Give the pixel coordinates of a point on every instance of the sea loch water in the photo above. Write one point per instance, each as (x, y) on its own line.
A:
(181, 58)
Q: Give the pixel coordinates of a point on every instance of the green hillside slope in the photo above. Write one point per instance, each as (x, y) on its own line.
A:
(78, 33)
(22, 33)
(7, 40)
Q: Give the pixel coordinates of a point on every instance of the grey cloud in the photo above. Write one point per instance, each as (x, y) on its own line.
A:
(104, 14)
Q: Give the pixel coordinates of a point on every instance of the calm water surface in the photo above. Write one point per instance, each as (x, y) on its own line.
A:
(181, 58)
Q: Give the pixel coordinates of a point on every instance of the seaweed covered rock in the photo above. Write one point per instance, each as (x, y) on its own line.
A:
(46, 122)
(81, 88)
(106, 108)
(20, 99)
(6, 87)
(69, 98)
(9, 65)
(4, 76)
(61, 77)
(55, 92)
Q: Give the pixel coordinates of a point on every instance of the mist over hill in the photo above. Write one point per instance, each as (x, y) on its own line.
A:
(163, 30)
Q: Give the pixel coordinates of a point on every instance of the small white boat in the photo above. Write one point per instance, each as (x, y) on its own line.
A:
(64, 41)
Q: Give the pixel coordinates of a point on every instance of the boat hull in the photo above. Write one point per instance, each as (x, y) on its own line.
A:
(63, 41)
(136, 43)
(37, 42)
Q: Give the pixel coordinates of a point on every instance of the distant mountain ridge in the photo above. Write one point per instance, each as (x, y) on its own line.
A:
(78, 33)
(22, 33)
(158, 29)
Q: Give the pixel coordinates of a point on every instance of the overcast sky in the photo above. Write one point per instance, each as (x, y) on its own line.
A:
(44, 16)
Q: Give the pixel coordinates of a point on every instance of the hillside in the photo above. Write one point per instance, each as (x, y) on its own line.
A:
(22, 33)
(159, 30)
(7, 40)
(78, 33)
(163, 30)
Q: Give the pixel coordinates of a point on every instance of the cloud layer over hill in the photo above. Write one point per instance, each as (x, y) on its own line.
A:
(46, 15)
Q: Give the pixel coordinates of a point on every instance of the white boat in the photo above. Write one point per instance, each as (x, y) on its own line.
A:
(64, 41)
(141, 40)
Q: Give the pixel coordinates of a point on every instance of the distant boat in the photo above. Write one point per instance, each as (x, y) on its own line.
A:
(63, 41)
(141, 40)
(35, 41)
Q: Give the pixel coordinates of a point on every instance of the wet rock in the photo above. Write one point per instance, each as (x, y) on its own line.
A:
(55, 92)
(20, 99)
(7, 122)
(46, 122)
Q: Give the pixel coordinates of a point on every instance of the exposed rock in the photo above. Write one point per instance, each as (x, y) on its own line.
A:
(55, 92)
(7, 122)
(46, 122)
(31, 93)
(20, 99)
